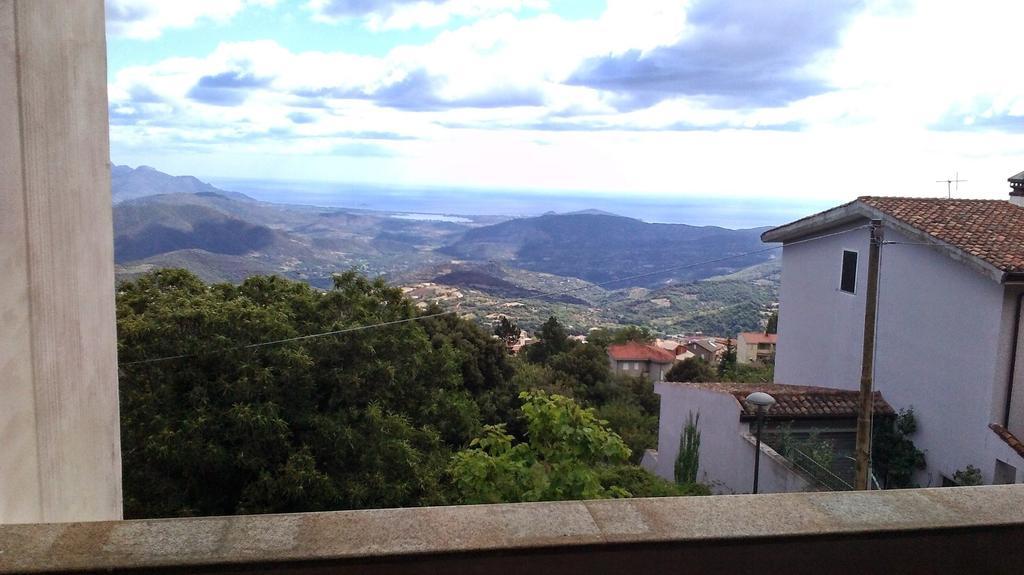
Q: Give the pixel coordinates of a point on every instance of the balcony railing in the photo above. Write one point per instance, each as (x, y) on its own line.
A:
(964, 529)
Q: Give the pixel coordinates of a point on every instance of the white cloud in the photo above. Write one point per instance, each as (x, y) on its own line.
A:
(932, 62)
(900, 83)
(147, 19)
(407, 14)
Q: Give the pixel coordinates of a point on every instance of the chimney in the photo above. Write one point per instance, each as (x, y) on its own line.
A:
(1017, 190)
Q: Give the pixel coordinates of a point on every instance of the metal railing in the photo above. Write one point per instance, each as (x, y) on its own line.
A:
(821, 475)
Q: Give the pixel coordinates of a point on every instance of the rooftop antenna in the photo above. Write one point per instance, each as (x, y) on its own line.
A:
(949, 184)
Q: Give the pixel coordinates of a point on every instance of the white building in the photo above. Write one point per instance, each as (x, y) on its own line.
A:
(951, 283)
(727, 427)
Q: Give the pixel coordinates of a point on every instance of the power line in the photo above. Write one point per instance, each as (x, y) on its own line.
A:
(297, 338)
(538, 296)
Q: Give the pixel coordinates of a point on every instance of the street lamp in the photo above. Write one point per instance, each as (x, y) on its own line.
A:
(763, 402)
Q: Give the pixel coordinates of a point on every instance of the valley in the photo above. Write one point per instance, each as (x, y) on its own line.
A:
(589, 268)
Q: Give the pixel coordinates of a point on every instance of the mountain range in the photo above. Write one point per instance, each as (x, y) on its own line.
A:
(180, 221)
(604, 249)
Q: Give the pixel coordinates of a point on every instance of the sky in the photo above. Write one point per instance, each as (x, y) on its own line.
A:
(795, 100)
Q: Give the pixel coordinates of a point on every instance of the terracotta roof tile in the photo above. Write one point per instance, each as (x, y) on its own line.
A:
(758, 337)
(991, 230)
(798, 401)
(1008, 437)
(636, 351)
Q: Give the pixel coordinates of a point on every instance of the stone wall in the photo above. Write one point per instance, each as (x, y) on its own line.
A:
(961, 530)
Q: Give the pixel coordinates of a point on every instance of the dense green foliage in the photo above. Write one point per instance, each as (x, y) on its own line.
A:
(567, 448)
(692, 369)
(563, 366)
(362, 418)
(688, 459)
(632, 333)
(507, 331)
(894, 457)
(569, 453)
(552, 339)
(970, 475)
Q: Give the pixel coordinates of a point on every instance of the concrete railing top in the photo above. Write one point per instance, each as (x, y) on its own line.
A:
(344, 537)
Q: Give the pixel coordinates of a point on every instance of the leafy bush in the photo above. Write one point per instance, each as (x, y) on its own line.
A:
(567, 448)
(894, 457)
(969, 476)
(693, 369)
(688, 459)
(640, 483)
(637, 428)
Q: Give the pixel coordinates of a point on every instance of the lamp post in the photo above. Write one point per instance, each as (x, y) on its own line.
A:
(763, 402)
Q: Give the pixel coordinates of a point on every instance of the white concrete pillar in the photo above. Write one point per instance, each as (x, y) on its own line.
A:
(59, 431)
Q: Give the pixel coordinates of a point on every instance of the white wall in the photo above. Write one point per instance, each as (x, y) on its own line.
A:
(939, 343)
(60, 458)
(726, 455)
(1016, 420)
(942, 344)
(745, 352)
(821, 327)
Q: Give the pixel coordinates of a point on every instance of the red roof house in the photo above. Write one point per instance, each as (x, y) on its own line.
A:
(635, 358)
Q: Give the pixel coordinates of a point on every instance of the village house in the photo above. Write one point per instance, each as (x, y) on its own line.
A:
(635, 358)
(707, 348)
(676, 347)
(951, 277)
(727, 427)
(755, 347)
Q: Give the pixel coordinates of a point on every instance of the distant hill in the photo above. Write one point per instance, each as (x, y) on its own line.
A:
(603, 248)
(127, 183)
(493, 285)
(501, 267)
(162, 220)
(590, 212)
(145, 228)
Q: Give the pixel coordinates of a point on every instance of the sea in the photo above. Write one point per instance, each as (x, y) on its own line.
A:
(454, 204)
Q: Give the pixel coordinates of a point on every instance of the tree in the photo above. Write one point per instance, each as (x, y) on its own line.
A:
(894, 457)
(567, 447)
(569, 454)
(362, 419)
(633, 333)
(693, 369)
(773, 323)
(552, 340)
(727, 364)
(637, 428)
(507, 331)
(688, 459)
(586, 368)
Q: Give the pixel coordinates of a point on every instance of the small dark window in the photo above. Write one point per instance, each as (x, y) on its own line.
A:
(849, 280)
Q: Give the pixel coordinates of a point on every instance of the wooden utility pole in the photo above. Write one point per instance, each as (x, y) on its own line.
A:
(867, 366)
